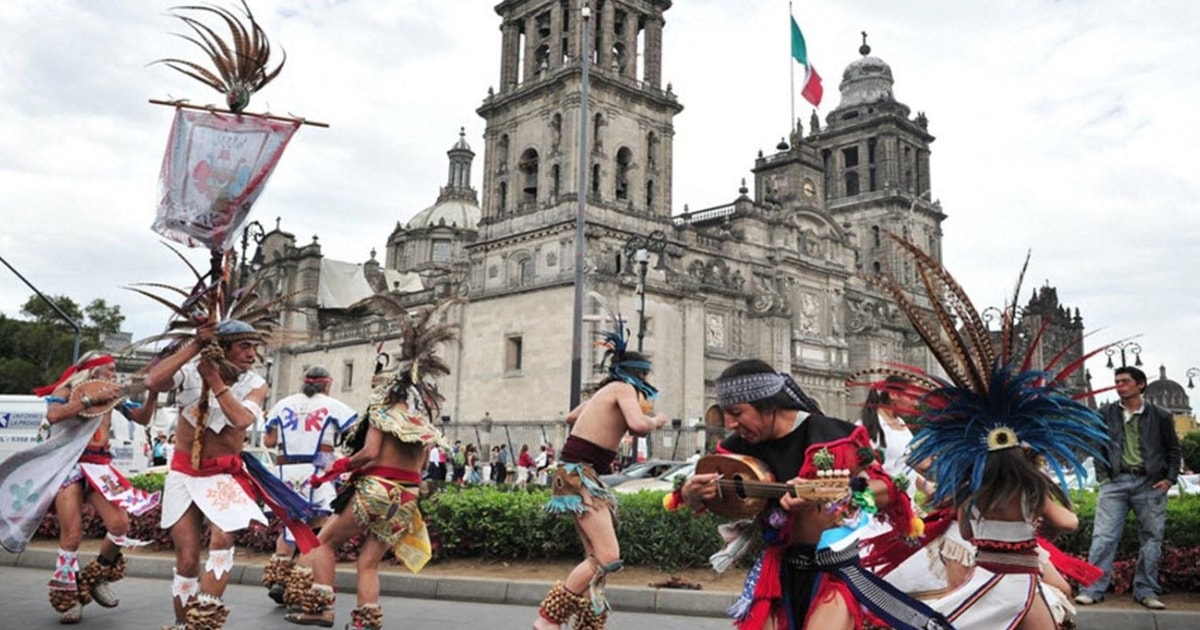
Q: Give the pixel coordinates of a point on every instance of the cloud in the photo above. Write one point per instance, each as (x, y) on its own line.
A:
(1063, 128)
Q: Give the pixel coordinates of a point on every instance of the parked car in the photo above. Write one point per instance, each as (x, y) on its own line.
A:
(665, 481)
(640, 470)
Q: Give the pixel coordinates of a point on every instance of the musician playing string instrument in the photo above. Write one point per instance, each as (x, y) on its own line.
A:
(808, 574)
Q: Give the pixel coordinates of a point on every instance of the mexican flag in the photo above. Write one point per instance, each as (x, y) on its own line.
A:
(811, 89)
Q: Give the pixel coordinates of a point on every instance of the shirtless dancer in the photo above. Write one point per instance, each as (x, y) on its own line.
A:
(622, 404)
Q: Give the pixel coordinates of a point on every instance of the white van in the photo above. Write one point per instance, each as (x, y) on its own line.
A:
(20, 417)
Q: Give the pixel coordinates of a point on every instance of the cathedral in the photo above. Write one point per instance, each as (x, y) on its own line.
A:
(779, 273)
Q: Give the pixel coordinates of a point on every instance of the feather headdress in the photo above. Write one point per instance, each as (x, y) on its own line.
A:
(209, 298)
(994, 398)
(615, 343)
(240, 64)
(409, 375)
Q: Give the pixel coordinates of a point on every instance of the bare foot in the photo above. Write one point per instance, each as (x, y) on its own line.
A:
(542, 623)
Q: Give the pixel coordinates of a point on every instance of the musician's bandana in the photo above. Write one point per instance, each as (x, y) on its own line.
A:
(749, 388)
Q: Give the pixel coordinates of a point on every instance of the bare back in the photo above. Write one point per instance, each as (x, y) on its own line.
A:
(611, 412)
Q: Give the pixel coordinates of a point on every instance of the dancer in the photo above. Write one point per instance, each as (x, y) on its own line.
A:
(94, 481)
(303, 427)
(807, 575)
(986, 431)
(621, 404)
(389, 450)
(219, 399)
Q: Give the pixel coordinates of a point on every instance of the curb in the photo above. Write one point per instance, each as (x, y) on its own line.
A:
(529, 593)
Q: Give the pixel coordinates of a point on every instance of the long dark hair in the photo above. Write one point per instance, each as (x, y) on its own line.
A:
(880, 396)
(1013, 474)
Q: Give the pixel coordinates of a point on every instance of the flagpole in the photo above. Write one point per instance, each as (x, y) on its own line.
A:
(791, 69)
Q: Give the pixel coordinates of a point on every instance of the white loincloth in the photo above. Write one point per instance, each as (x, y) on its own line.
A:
(220, 497)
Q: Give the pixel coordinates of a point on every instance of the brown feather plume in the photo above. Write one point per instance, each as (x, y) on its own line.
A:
(241, 65)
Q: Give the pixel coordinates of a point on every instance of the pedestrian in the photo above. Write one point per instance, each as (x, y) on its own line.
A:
(437, 464)
(220, 398)
(807, 574)
(1139, 465)
(389, 449)
(159, 450)
(501, 464)
(541, 464)
(471, 464)
(303, 428)
(621, 404)
(525, 465)
(459, 461)
(79, 411)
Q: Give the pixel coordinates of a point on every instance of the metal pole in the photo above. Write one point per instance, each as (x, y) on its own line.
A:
(643, 256)
(585, 54)
(75, 352)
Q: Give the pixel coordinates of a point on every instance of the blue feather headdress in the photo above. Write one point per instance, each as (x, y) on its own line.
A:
(615, 342)
(993, 399)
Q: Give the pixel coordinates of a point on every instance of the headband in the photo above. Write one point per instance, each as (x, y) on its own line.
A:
(749, 388)
(90, 364)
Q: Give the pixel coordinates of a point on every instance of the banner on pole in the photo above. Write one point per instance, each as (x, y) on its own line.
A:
(215, 167)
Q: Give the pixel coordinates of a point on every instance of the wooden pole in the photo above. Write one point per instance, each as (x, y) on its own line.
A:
(217, 110)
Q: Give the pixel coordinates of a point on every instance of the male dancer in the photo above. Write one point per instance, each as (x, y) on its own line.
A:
(390, 446)
(219, 398)
(620, 405)
(92, 480)
(303, 427)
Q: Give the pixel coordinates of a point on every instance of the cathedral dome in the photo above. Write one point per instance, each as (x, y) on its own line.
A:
(461, 213)
(1167, 393)
(866, 80)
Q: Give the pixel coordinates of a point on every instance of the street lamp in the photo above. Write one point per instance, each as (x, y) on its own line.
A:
(638, 249)
(585, 56)
(1192, 373)
(1134, 349)
(253, 231)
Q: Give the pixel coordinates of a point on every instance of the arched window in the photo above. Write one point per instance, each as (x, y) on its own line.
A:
(649, 194)
(555, 181)
(529, 176)
(595, 180)
(875, 235)
(624, 164)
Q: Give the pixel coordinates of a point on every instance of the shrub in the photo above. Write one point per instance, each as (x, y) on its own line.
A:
(150, 482)
(1190, 444)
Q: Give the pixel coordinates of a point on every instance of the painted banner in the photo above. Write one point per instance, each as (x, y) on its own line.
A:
(215, 167)
(29, 480)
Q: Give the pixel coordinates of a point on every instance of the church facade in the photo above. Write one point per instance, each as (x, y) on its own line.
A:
(781, 272)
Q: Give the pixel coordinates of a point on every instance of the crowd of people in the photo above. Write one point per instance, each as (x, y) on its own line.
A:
(936, 509)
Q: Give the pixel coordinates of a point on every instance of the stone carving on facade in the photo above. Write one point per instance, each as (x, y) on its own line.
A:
(714, 331)
(863, 315)
(551, 259)
(768, 299)
(809, 320)
(493, 271)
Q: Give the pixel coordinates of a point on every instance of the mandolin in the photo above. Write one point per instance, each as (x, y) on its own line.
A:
(745, 485)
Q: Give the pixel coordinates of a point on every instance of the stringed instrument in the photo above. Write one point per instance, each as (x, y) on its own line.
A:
(746, 484)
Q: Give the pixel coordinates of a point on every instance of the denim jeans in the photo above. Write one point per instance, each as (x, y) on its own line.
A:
(1149, 505)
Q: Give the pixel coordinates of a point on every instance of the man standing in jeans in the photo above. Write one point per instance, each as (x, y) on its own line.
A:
(1142, 463)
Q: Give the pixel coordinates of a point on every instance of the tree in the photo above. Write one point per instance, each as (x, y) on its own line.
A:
(37, 309)
(1190, 445)
(104, 318)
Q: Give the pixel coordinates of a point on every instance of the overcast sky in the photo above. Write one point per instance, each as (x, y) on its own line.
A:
(1065, 128)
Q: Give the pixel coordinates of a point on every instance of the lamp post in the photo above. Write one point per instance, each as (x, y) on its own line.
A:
(638, 249)
(1192, 374)
(585, 57)
(1134, 349)
(253, 231)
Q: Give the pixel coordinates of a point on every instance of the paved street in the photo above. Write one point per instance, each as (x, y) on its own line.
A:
(145, 604)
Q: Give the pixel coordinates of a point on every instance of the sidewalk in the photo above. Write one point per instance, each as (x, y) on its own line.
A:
(529, 593)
